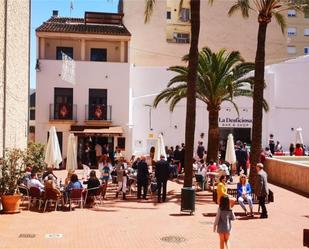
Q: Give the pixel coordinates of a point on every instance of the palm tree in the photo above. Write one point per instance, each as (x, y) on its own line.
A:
(191, 91)
(221, 77)
(266, 9)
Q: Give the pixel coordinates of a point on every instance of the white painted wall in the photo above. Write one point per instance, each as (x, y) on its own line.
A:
(290, 107)
(146, 83)
(103, 75)
(286, 94)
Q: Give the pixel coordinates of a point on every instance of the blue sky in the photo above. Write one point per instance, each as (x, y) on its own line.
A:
(41, 10)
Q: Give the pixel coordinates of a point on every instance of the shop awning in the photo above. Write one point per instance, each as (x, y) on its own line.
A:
(111, 131)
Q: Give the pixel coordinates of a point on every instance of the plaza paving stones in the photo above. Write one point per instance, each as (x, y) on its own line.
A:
(146, 224)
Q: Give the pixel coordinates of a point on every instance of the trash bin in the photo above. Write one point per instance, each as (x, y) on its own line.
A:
(188, 199)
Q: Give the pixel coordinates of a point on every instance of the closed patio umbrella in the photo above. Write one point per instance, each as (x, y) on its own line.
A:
(230, 156)
(299, 136)
(52, 153)
(160, 148)
(71, 153)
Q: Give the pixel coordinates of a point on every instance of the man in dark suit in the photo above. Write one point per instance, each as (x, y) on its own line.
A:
(162, 174)
(177, 157)
(142, 178)
(262, 189)
(241, 157)
(182, 157)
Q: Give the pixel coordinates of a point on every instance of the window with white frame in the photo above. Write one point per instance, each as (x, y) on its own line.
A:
(291, 50)
(184, 15)
(306, 50)
(181, 37)
(306, 32)
(291, 31)
(291, 13)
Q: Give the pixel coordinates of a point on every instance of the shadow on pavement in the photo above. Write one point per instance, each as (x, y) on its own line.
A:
(180, 214)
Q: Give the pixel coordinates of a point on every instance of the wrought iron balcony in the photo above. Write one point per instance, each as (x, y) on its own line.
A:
(98, 112)
(63, 111)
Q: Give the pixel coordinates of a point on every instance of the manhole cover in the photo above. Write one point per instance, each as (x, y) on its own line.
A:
(53, 236)
(173, 239)
(206, 222)
(26, 235)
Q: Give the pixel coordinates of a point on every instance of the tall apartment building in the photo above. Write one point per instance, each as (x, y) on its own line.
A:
(14, 73)
(95, 105)
(297, 33)
(151, 43)
(178, 26)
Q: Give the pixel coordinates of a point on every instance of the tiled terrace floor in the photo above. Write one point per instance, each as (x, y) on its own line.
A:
(143, 224)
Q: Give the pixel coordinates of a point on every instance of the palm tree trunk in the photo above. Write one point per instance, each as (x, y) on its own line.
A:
(258, 102)
(191, 93)
(213, 135)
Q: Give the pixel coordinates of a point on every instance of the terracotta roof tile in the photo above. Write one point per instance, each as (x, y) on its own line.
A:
(77, 25)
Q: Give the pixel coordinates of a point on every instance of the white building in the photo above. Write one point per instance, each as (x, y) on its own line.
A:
(286, 94)
(92, 92)
(14, 73)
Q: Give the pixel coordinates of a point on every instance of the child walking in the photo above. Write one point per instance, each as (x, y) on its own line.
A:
(223, 221)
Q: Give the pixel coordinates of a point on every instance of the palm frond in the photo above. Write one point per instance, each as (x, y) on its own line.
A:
(149, 6)
(243, 6)
(280, 20)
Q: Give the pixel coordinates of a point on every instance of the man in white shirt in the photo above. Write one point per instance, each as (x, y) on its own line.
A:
(34, 182)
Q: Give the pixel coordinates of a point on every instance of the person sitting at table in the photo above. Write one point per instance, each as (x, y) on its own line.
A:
(92, 182)
(244, 193)
(202, 169)
(298, 150)
(222, 191)
(49, 171)
(34, 182)
(212, 167)
(68, 178)
(74, 183)
(50, 184)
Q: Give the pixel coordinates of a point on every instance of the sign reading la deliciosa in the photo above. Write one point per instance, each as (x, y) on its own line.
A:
(235, 122)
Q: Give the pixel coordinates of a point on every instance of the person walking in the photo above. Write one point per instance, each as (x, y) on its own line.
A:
(200, 150)
(162, 174)
(223, 220)
(142, 178)
(121, 178)
(262, 189)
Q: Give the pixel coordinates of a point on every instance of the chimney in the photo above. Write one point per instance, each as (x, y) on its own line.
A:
(55, 13)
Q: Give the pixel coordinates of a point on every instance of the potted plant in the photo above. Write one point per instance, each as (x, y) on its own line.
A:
(12, 169)
(34, 157)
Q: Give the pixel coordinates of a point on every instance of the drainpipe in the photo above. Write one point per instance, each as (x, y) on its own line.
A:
(4, 75)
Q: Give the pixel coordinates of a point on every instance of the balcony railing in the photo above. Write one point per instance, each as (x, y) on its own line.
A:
(98, 112)
(62, 111)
